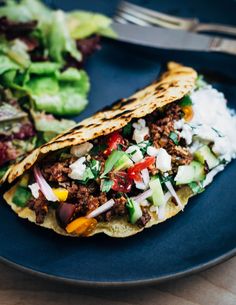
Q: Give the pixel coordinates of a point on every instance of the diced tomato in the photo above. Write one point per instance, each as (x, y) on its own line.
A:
(121, 182)
(112, 143)
(134, 172)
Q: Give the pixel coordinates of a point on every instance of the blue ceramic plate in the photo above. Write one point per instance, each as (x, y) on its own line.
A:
(203, 235)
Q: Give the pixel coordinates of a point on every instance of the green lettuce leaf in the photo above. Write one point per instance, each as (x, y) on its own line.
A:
(61, 94)
(84, 24)
(7, 64)
(59, 40)
(47, 123)
(26, 10)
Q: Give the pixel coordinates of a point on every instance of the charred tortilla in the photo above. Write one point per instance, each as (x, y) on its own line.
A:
(174, 84)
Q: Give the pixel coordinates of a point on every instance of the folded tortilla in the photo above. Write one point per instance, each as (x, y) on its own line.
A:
(174, 84)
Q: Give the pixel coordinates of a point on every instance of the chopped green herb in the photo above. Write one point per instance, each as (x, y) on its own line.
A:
(119, 147)
(196, 187)
(164, 179)
(95, 167)
(21, 196)
(127, 130)
(107, 185)
(143, 146)
(92, 171)
(111, 161)
(88, 174)
(186, 101)
(132, 153)
(174, 137)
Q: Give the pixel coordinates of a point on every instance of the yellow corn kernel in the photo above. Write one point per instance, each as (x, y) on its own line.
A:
(61, 193)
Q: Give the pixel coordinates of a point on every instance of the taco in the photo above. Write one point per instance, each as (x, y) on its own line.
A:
(130, 166)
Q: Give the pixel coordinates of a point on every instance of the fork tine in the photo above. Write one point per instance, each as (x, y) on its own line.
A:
(166, 17)
(141, 19)
(121, 16)
(154, 17)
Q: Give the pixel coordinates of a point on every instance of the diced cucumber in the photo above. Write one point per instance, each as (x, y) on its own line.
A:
(157, 197)
(135, 211)
(193, 172)
(123, 163)
(204, 154)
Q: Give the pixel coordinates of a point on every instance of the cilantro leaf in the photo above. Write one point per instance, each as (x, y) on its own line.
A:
(92, 171)
(186, 101)
(95, 167)
(143, 146)
(127, 130)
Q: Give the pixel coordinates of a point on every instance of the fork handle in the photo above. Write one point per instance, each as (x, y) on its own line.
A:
(223, 45)
(218, 28)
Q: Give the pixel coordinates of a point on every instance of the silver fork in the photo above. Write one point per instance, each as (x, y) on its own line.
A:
(128, 12)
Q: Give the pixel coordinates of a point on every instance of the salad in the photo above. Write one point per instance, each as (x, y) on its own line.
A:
(42, 54)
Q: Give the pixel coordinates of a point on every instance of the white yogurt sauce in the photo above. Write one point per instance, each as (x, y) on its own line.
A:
(213, 122)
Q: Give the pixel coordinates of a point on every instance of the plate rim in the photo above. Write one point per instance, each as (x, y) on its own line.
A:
(121, 284)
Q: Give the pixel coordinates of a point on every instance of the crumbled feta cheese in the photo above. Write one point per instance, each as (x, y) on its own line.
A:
(140, 131)
(34, 189)
(77, 169)
(179, 124)
(187, 133)
(81, 149)
(152, 151)
(135, 153)
(163, 160)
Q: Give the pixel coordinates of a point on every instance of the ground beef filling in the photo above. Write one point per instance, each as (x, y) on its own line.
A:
(161, 124)
(88, 197)
(40, 206)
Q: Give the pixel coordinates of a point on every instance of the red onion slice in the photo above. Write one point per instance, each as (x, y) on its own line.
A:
(103, 208)
(143, 196)
(174, 194)
(45, 188)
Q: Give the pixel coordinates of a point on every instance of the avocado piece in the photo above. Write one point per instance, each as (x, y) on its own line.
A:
(204, 154)
(157, 197)
(123, 163)
(24, 181)
(193, 172)
(21, 196)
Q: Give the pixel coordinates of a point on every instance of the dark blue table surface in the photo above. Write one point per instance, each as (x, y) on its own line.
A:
(202, 235)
